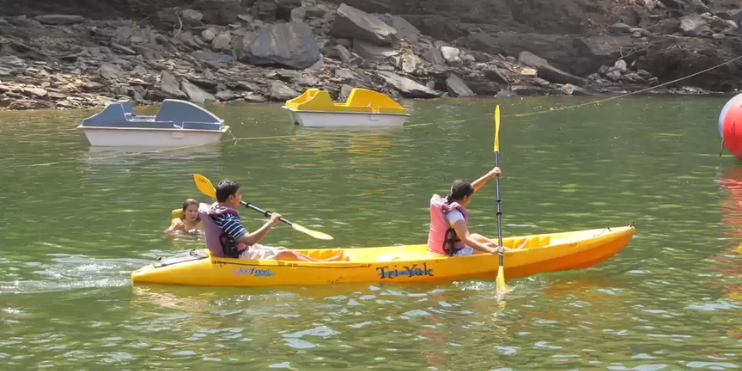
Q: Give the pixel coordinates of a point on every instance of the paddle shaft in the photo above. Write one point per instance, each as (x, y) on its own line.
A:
(499, 213)
(266, 213)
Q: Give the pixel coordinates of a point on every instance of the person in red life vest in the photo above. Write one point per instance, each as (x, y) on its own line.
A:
(449, 234)
(226, 237)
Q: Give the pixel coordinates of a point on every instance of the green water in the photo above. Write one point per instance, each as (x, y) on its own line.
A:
(76, 221)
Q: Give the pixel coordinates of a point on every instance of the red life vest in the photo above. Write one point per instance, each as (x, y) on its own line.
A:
(442, 238)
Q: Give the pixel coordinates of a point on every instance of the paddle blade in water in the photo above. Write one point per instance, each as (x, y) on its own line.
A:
(204, 185)
(497, 128)
(315, 234)
(501, 286)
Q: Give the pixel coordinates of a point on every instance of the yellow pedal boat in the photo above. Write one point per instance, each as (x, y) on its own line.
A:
(363, 108)
(405, 264)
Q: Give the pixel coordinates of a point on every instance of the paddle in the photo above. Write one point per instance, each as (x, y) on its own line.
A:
(501, 287)
(204, 185)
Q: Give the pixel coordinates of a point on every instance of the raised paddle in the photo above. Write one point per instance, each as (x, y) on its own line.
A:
(204, 185)
(501, 286)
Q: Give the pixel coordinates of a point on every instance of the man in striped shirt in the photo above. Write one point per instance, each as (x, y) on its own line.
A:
(233, 239)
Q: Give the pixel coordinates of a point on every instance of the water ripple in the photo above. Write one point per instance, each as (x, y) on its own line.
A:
(74, 231)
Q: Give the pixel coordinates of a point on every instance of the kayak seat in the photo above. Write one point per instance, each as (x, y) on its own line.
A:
(537, 241)
(529, 242)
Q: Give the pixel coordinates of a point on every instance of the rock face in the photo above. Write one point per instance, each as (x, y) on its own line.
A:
(75, 54)
(566, 33)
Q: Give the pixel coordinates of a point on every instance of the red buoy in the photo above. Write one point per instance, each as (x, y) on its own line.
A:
(730, 126)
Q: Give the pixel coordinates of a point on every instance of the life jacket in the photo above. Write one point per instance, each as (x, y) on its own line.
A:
(442, 238)
(218, 242)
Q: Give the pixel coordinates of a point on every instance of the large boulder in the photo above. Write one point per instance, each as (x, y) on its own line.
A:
(434, 56)
(221, 41)
(287, 44)
(167, 87)
(405, 30)
(457, 87)
(280, 92)
(357, 24)
(373, 52)
(408, 88)
(409, 63)
(10, 65)
(196, 94)
(547, 71)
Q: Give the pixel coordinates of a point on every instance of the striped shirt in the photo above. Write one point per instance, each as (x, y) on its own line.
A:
(229, 224)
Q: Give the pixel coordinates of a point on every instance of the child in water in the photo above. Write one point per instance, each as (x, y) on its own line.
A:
(190, 221)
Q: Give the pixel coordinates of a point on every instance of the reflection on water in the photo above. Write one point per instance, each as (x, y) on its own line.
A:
(731, 204)
(349, 131)
(729, 263)
(121, 155)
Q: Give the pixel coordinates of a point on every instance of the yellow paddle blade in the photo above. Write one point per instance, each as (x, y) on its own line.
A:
(315, 234)
(204, 185)
(497, 128)
(501, 286)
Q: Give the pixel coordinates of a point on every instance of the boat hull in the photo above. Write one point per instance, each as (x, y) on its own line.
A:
(111, 136)
(402, 264)
(347, 119)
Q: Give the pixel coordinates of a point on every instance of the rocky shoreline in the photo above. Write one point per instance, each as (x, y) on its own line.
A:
(272, 50)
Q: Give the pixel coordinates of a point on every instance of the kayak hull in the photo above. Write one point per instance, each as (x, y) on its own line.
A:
(402, 264)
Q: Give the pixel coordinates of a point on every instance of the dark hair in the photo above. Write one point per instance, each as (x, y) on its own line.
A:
(189, 202)
(459, 190)
(226, 188)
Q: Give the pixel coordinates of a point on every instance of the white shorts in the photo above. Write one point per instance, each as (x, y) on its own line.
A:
(466, 251)
(261, 252)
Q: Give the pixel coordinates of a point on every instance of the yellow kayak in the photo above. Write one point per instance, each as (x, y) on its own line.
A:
(408, 264)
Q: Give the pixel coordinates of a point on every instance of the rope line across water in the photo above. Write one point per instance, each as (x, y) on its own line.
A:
(622, 95)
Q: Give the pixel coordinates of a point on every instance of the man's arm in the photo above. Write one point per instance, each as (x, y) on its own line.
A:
(250, 239)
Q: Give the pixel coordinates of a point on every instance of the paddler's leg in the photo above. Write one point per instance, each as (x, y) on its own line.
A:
(287, 254)
(482, 239)
(263, 252)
